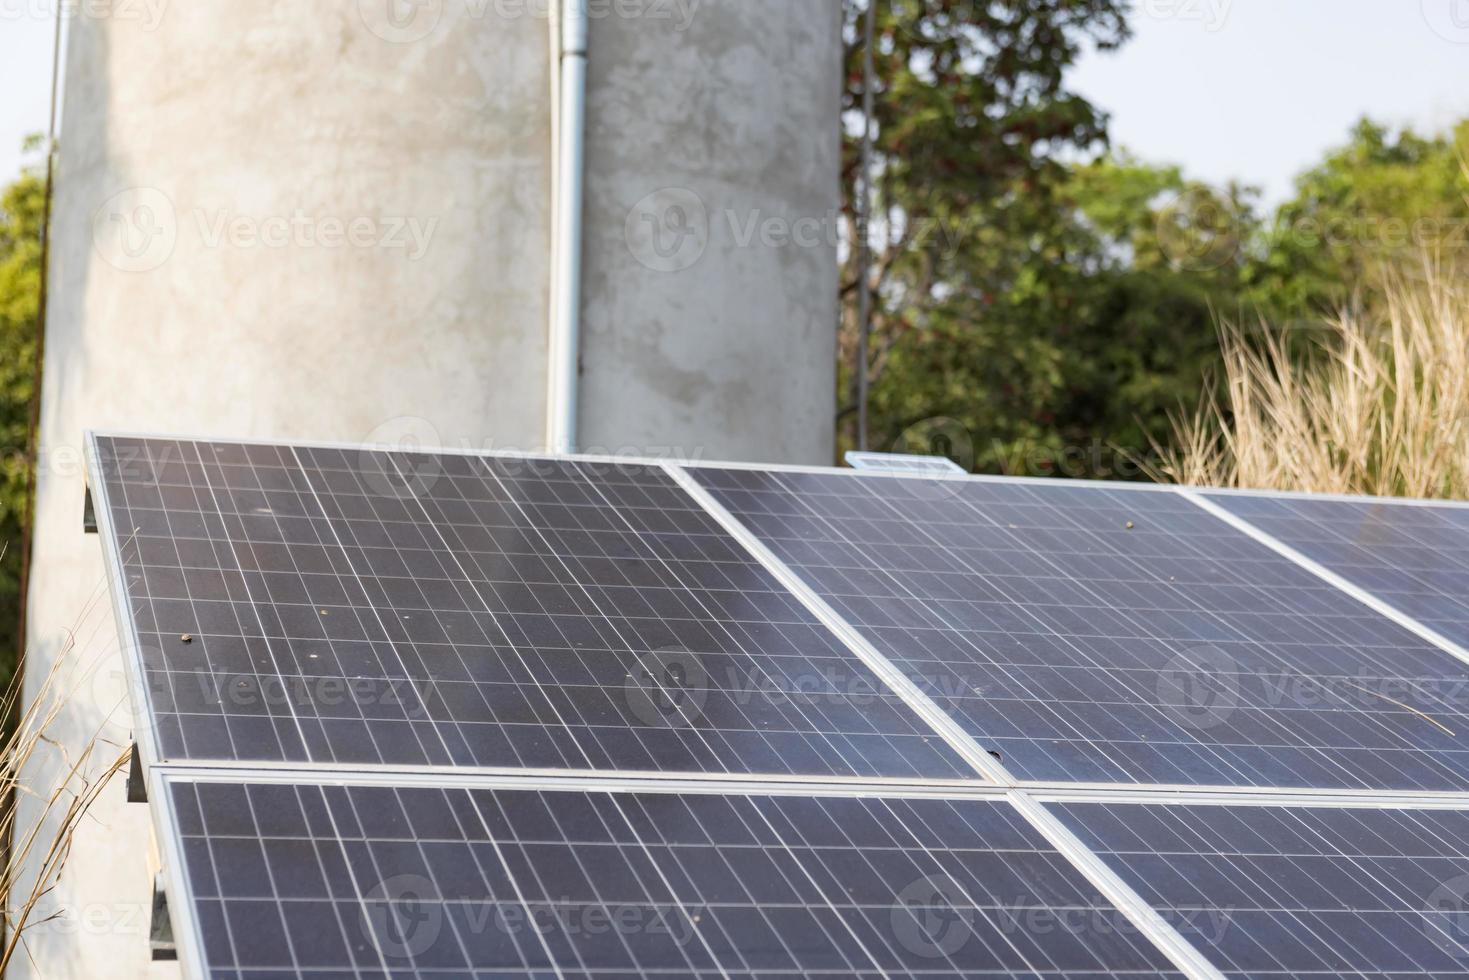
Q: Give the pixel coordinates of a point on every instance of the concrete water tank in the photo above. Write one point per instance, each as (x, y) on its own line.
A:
(331, 220)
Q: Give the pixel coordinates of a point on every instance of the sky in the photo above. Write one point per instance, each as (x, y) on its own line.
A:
(1247, 90)
(1258, 90)
(25, 76)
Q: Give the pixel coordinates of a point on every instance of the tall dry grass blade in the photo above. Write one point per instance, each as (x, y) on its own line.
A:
(1378, 405)
(38, 850)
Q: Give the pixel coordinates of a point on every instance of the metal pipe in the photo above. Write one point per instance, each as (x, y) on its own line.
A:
(564, 348)
(864, 222)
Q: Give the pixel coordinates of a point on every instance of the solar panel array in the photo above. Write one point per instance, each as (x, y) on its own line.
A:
(452, 715)
(1275, 891)
(1119, 636)
(292, 879)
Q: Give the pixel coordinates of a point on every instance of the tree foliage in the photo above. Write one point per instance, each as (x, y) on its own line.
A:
(1042, 304)
(1374, 206)
(21, 204)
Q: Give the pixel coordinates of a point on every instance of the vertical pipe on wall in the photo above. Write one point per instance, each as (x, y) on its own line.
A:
(563, 353)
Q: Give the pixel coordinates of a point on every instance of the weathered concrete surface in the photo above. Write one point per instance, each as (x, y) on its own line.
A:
(226, 123)
(711, 276)
(312, 220)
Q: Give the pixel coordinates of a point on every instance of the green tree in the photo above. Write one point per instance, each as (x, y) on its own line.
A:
(21, 205)
(1371, 207)
(972, 123)
(1096, 321)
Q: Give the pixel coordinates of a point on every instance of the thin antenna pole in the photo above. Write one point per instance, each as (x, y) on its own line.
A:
(864, 218)
(33, 433)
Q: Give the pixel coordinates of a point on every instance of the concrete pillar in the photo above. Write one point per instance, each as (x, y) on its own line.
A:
(330, 220)
(713, 156)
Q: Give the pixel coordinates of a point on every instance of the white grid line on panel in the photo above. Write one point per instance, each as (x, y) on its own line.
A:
(975, 754)
(1331, 578)
(1119, 893)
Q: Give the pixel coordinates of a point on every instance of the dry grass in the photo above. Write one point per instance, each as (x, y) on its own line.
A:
(1379, 404)
(36, 851)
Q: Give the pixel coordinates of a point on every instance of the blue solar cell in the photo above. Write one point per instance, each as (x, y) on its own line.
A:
(1413, 556)
(326, 606)
(1276, 891)
(1116, 635)
(297, 880)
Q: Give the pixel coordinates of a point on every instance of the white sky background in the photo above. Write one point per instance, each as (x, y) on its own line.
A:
(1258, 90)
(1254, 90)
(25, 76)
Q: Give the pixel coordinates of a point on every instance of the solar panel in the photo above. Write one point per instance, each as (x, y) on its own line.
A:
(1115, 635)
(1297, 891)
(307, 880)
(373, 608)
(1411, 555)
(389, 702)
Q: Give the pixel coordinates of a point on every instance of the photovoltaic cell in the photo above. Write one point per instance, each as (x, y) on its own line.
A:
(1115, 635)
(330, 606)
(333, 881)
(1414, 556)
(1272, 891)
